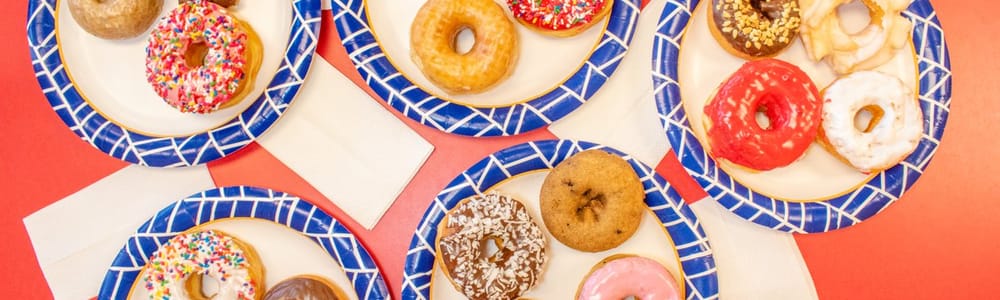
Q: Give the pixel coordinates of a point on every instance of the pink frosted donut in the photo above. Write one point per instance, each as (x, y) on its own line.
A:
(199, 88)
(621, 276)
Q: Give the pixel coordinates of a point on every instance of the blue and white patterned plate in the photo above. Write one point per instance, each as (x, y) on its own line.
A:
(245, 202)
(809, 217)
(172, 151)
(697, 262)
(422, 106)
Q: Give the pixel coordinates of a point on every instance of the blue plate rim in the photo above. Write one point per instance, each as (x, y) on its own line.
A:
(697, 260)
(423, 107)
(169, 151)
(245, 202)
(869, 199)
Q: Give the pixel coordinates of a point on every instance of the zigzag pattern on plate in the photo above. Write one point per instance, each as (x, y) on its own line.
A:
(417, 104)
(697, 262)
(868, 200)
(244, 202)
(172, 151)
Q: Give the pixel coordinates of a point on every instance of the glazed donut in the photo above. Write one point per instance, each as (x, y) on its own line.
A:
(621, 276)
(874, 45)
(432, 42)
(560, 18)
(592, 201)
(754, 28)
(513, 269)
(115, 19)
(784, 94)
(305, 287)
(200, 59)
(176, 269)
(894, 131)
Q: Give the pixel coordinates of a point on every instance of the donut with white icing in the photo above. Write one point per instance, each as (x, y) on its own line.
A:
(462, 236)
(175, 270)
(893, 132)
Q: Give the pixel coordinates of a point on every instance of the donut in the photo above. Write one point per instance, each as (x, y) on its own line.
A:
(513, 269)
(784, 94)
(895, 128)
(559, 18)
(622, 276)
(592, 201)
(224, 3)
(433, 46)
(200, 59)
(753, 29)
(115, 19)
(871, 47)
(305, 287)
(177, 267)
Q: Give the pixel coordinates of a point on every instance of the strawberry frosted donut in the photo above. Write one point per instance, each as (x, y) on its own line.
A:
(560, 18)
(784, 94)
(895, 128)
(175, 270)
(624, 276)
(199, 58)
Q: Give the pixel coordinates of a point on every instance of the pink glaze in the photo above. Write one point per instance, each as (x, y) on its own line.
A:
(635, 276)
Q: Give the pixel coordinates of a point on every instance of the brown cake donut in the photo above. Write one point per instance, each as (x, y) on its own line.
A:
(461, 244)
(754, 28)
(115, 19)
(305, 287)
(592, 201)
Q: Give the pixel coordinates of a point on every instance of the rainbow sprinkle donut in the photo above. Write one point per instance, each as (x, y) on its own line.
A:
(175, 270)
(178, 42)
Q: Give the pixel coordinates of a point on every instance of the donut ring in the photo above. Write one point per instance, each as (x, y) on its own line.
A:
(513, 269)
(305, 287)
(201, 59)
(622, 275)
(432, 42)
(176, 268)
(894, 131)
(871, 47)
(115, 19)
(754, 28)
(560, 18)
(592, 201)
(785, 94)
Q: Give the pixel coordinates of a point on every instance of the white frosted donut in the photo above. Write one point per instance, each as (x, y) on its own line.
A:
(176, 269)
(896, 125)
(871, 47)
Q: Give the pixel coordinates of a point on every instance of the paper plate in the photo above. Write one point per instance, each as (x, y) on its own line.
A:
(860, 199)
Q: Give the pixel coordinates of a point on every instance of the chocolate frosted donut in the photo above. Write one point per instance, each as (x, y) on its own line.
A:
(305, 287)
(754, 28)
(462, 237)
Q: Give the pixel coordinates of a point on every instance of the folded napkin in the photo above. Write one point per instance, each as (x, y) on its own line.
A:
(78, 237)
(753, 262)
(346, 145)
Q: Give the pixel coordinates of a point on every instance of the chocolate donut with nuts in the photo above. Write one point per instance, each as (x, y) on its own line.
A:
(754, 29)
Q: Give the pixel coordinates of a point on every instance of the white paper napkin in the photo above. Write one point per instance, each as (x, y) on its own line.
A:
(346, 145)
(76, 238)
(753, 262)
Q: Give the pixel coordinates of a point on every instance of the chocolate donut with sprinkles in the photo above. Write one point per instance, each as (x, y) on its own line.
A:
(754, 29)
(560, 18)
(516, 266)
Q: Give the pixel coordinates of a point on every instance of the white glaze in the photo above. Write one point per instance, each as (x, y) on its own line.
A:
(874, 45)
(895, 135)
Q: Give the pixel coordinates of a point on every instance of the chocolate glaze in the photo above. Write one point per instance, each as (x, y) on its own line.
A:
(302, 288)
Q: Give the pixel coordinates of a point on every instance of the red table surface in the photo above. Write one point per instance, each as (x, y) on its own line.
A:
(940, 241)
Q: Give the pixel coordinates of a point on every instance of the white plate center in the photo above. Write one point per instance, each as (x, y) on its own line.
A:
(111, 74)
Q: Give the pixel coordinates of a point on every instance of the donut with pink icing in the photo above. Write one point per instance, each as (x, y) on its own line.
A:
(622, 276)
(200, 58)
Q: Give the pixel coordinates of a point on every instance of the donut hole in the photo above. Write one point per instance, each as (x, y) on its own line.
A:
(867, 118)
(856, 16)
(195, 54)
(771, 112)
(202, 287)
(465, 39)
(490, 246)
